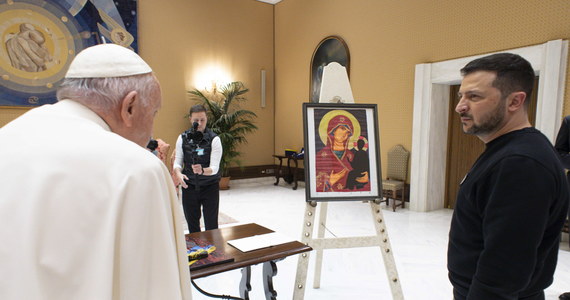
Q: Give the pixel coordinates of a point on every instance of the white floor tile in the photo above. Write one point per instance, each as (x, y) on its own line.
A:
(419, 242)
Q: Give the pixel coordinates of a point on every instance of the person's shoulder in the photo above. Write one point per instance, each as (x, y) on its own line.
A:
(34, 122)
(532, 139)
(129, 151)
(531, 144)
(122, 153)
(211, 133)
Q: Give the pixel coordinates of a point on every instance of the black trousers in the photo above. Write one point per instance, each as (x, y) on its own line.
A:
(208, 197)
(536, 296)
(568, 179)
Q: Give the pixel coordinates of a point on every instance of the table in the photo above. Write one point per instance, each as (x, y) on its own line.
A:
(267, 256)
(291, 174)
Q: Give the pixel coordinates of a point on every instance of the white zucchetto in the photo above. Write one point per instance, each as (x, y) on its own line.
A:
(107, 60)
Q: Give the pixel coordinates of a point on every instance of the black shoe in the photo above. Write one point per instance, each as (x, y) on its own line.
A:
(565, 296)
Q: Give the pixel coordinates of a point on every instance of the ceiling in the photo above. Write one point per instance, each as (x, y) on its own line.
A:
(270, 1)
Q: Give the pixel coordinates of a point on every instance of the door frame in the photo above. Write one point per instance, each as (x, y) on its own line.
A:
(431, 106)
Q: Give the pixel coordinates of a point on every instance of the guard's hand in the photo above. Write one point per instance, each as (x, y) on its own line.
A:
(197, 169)
(179, 179)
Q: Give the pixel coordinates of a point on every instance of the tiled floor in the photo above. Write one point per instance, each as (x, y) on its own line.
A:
(419, 242)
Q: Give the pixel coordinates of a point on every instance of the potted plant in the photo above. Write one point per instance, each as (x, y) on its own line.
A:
(228, 121)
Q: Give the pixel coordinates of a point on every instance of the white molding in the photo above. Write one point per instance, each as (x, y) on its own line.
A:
(420, 129)
(431, 106)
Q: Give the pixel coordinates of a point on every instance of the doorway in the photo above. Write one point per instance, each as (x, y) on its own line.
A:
(463, 149)
(431, 114)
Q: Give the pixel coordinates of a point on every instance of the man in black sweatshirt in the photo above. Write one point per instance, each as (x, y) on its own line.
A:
(504, 236)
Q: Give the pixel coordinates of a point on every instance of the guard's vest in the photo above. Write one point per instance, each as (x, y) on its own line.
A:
(201, 153)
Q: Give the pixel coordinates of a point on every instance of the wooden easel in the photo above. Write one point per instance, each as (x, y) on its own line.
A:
(320, 243)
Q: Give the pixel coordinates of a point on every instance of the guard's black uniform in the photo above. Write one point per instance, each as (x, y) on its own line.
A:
(208, 194)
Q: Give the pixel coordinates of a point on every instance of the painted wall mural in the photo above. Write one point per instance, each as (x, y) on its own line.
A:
(39, 39)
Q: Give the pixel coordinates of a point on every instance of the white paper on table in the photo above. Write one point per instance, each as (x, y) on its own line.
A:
(260, 241)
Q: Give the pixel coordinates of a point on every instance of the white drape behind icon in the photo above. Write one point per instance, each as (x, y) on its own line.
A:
(335, 87)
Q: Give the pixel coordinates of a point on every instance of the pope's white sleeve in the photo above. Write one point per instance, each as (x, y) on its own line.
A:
(152, 245)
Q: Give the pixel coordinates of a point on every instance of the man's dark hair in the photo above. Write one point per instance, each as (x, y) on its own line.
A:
(514, 73)
(197, 108)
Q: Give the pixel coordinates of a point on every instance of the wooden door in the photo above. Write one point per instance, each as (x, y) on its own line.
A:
(463, 149)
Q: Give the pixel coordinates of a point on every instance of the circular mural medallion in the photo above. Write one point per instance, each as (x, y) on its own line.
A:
(39, 39)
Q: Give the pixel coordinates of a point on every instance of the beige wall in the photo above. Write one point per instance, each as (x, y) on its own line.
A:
(181, 38)
(387, 39)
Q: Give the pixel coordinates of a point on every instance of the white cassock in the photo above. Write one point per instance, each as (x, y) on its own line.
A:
(85, 213)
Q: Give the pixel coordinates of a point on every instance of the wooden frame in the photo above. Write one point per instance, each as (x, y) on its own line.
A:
(342, 152)
(331, 48)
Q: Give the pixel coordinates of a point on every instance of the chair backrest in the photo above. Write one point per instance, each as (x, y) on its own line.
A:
(398, 163)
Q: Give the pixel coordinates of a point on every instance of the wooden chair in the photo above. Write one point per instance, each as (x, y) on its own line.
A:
(394, 186)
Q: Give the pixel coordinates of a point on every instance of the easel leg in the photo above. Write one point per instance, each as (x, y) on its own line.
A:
(386, 249)
(320, 243)
(245, 283)
(303, 262)
(319, 251)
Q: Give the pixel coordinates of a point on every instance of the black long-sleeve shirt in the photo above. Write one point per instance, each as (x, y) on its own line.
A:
(504, 237)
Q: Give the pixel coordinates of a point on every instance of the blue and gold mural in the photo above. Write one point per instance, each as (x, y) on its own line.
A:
(40, 38)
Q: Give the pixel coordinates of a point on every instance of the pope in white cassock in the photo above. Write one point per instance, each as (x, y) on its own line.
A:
(86, 212)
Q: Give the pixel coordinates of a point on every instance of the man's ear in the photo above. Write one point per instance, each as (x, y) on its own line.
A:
(128, 107)
(517, 100)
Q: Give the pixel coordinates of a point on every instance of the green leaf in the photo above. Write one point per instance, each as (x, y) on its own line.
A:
(227, 120)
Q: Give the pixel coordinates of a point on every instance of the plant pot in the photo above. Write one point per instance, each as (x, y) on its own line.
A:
(225, 183)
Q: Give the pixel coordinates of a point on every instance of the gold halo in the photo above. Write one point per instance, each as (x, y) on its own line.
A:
(324, 124)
